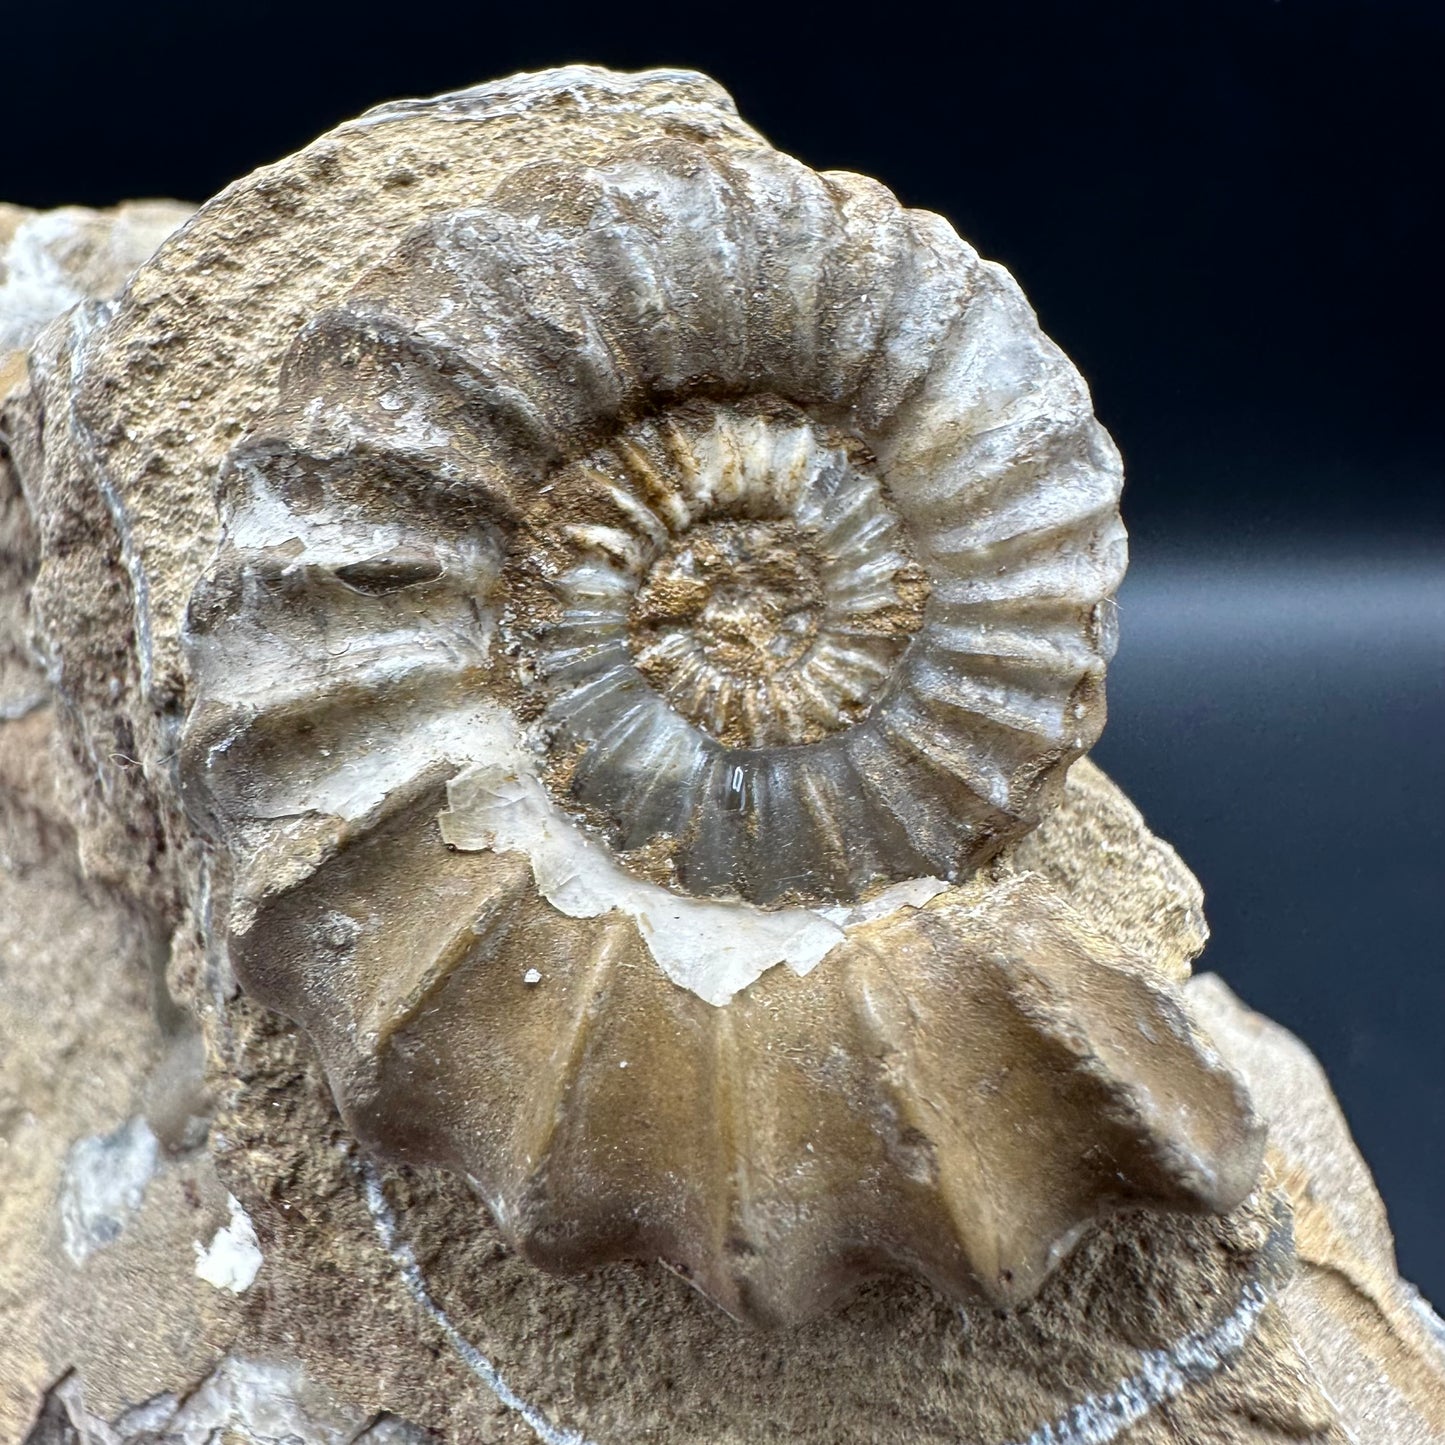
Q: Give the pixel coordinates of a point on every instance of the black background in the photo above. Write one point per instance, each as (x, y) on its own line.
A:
(1227, 214)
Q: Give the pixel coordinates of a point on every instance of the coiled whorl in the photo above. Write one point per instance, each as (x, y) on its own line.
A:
(667, 564)
(609, 368)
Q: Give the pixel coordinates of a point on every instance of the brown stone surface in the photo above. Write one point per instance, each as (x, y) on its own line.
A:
(1131, 887)
(1377, 1348)
(83, 1057)
(50, 260)
(628, 1352)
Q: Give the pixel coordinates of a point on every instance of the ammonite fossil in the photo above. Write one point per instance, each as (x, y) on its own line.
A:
(664, 568)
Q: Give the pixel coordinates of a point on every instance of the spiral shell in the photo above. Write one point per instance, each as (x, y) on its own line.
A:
(729, 552)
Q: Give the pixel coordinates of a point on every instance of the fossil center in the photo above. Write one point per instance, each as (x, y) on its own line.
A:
(723, 627)
(717, 608)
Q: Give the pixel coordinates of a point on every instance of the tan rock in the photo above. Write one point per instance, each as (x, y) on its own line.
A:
(53, 260)
(1377, 1348)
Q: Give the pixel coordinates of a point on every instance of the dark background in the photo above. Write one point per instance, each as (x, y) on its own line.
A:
(1227, 214)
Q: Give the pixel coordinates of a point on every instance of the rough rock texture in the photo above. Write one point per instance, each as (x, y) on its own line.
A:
(240, 1402)
(52, 260)
(49, 262)
(1375, 1344)
(192, 1244)
(122, 1256)
(121, 1269)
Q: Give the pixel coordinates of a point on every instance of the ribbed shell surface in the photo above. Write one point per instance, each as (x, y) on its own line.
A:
(656, 570)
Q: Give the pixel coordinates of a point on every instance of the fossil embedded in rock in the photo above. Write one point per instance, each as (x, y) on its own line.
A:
(669, 564)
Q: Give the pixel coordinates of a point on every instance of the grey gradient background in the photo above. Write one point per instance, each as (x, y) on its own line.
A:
(1226, 212)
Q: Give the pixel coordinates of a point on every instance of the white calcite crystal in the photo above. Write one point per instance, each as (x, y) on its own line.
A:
(233, 1258)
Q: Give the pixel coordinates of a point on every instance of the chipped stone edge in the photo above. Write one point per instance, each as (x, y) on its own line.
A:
(1099, 1419)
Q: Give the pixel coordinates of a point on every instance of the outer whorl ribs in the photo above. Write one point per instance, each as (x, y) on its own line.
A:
(732, 547)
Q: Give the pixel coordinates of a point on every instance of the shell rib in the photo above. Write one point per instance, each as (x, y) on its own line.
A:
(665, 568)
